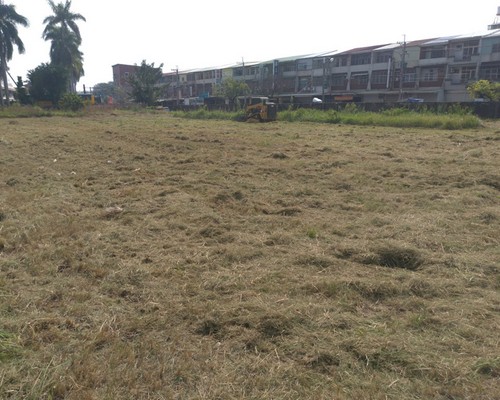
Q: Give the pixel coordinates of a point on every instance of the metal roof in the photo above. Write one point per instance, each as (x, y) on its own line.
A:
(380, 47)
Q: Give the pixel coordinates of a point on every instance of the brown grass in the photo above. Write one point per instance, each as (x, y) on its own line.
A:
(148, 257)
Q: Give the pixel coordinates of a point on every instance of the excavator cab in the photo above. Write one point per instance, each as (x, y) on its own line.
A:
(260, 109)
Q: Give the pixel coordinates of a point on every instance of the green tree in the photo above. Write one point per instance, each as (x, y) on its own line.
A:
(71, 102)
(484, 89)
(62, 31)
(48, 82)
(104, 89)
(231, 89)
(146, 83)
(21, 92)
(64, 18)
(108, 89)
(9, 37)
(64, 51)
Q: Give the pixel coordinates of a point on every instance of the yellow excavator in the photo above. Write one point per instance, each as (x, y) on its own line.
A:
(260, 109)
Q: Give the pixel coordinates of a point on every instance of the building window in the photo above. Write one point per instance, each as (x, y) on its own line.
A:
(495, 48)
(490, 73)
(339, 80)
(410, 77)
(379, 78)
(361, 59)
(359, 80)
(429, 75)
(318, 63)
(432, 52)
(288, 67)
(302, 65)
(340, 61)
(383, 57)
(471, 48)
(467, 74)
(304, 84)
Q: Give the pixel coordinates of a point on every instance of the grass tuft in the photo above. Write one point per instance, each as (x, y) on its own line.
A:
(399, 257)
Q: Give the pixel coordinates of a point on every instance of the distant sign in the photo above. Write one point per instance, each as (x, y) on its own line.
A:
(344, 98)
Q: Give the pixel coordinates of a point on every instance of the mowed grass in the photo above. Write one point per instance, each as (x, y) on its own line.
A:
(144, 256)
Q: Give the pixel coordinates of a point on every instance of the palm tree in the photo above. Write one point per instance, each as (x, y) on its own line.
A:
(64, 18)
(63, 32)
(65, 52)
(9, 37)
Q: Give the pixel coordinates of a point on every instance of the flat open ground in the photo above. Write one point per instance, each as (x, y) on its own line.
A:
(148, 257)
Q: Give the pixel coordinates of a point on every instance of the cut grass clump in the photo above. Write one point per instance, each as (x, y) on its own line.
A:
(489, 367)
(9, 347)
(399, 257)
(208, 327)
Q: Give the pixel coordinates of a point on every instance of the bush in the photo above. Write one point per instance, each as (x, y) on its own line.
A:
(71, 102)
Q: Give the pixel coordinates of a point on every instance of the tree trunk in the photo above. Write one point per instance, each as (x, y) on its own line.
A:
(2, 83)
(3, 72)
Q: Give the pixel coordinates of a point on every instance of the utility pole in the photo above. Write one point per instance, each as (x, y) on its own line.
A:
(176, 70)
(402, 69)
(324, 81)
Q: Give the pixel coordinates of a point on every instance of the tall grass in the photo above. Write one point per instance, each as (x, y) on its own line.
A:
(203, 113)
(18, 111)
(451, 118)
(399, 117)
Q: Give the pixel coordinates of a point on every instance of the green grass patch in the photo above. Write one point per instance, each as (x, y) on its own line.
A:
(451, 119)
(18, 111)
(205, 114)
(402, 118)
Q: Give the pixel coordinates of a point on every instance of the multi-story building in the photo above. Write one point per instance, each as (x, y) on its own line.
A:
(121, 73)
(430, 70)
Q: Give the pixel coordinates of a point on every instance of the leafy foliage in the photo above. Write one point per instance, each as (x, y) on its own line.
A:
(9, 37)
(484, 89)
(48, 82)
(64, 50)
(146, 83)
(21, 92)
(62, 31)
(64, 18)
(231, 89)
(71, 102)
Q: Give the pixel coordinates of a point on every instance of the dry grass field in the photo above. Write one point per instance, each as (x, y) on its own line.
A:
(144, 256)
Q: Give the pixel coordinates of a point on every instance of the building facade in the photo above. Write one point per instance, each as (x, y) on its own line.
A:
(428, 70)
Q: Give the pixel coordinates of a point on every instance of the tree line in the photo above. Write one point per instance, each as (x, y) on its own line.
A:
(56, 80)
(49, 81)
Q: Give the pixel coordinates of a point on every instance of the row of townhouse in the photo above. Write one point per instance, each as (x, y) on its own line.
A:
(430, 70)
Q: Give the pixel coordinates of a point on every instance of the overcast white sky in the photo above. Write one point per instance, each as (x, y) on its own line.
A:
(205, 33)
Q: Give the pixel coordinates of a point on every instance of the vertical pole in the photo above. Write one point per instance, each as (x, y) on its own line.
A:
(177, 85)
(402, 69)
(2, 80)
(324, 81)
